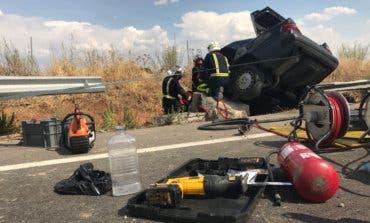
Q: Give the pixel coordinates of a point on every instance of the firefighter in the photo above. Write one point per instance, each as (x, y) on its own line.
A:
(172, 91)
(217, 67)
(199, 76)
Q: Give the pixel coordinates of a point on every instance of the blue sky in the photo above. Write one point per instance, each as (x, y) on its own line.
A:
(144, 14)
(334, 21)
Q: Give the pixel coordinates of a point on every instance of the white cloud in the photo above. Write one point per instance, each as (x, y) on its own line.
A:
(48, 34)
(311, 26)
(368, 21)
(320, 34)
(329, 13)
(164, 2)
(1, 13)
(197, 27)
(201, 27)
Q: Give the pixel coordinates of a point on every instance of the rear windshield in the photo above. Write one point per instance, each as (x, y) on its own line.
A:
(267, 20)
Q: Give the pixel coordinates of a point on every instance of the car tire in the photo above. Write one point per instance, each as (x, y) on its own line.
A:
(246, 83)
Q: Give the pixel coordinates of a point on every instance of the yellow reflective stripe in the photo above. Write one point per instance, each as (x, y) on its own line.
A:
(227, 63)
(168, 96)
(216, 62)
(168, 86)
(203, 88)
(220, 75)
(168, 90)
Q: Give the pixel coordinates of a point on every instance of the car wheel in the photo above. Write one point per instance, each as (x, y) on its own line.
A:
(247, 83)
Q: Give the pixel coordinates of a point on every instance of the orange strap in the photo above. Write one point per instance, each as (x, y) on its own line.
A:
(223, 112)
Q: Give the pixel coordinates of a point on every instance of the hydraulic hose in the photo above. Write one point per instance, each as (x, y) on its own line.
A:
(236, 123)
(337, 121)
(225, 113)
(224, 124)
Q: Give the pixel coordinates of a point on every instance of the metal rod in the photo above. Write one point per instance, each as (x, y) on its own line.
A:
(270, 184)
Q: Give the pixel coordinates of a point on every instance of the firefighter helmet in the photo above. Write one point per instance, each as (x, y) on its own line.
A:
(176, 71)
(213, 46)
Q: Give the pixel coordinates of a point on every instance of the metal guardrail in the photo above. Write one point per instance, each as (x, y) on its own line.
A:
(13, 87)
(345, 86)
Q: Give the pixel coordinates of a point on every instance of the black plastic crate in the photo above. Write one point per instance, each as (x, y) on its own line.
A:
(219, 209)
(45, 133)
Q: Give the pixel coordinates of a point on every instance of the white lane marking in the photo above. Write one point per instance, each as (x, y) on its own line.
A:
(205, 142)
(144, 150)
(53, 162)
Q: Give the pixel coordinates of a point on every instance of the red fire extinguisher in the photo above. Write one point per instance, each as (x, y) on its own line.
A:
(314, 178)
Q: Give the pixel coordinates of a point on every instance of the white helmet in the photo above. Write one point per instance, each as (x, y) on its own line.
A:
(169, 73)
(179, 71)
(176, 71)
(214, 45)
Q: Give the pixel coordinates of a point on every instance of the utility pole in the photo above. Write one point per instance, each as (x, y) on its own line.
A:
(187, 50)
(31, 47)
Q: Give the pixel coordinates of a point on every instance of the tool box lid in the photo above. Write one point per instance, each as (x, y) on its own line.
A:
(219, 209)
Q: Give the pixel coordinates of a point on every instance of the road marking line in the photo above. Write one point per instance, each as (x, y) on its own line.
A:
(205, 142)
(144, 150)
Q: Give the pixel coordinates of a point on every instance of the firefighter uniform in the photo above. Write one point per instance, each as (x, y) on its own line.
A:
(199, 79)
(217, 68)
(171, 89)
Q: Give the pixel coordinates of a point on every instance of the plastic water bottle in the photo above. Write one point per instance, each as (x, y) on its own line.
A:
(365, 167)
(124, 164)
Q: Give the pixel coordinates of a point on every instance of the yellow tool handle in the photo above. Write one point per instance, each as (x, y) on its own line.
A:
(189, 185)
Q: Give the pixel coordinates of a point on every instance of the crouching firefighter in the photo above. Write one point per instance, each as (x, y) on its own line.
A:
(172, 91)
(217, 67)
(199, 76)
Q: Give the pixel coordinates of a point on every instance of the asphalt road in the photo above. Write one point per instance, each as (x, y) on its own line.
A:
(26, 190)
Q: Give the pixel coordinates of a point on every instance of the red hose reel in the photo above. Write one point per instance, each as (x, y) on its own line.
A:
(327, 116)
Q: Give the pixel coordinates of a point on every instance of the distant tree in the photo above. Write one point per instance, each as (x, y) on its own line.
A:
(170, 57)
(13, 63)
(355, 51)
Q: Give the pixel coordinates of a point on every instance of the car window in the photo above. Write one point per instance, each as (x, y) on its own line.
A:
(265, 19)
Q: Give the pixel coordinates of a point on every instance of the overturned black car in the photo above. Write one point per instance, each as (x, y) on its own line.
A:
(275, 67)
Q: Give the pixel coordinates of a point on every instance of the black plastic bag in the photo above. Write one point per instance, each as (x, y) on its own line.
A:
(85, 180)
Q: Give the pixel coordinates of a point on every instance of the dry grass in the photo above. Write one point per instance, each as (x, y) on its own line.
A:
(350, 69)
(353, 63)
(140, 101)
(143, 99)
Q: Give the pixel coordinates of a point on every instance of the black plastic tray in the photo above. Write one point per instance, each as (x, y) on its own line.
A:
(218, 209)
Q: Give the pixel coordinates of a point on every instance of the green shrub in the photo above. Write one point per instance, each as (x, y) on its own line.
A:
(108, 120)
(128, 119)
(7, 125)
(174, 117)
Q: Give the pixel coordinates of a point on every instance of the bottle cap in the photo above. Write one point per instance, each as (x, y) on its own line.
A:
(120, 128)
